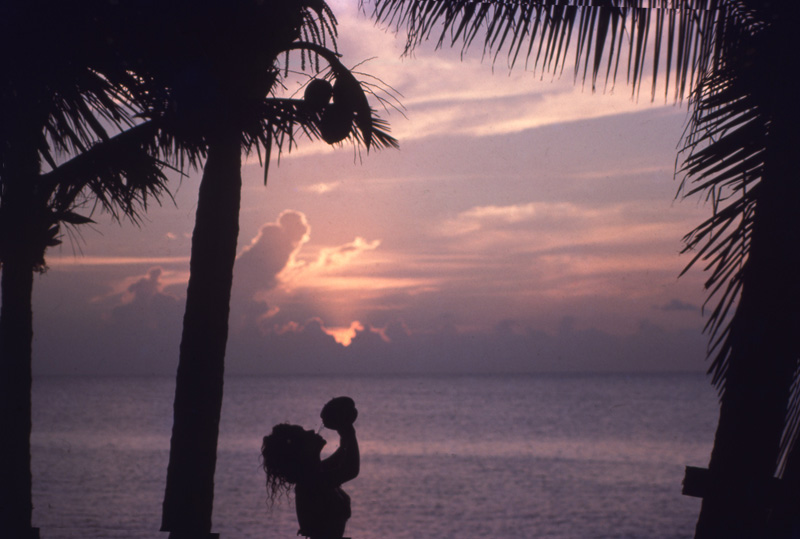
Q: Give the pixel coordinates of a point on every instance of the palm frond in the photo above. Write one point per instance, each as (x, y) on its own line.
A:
(121, 174)
(790, 448)
(281, 121)
(319, 26)
(78, 115)
(76, 91)
(724, 157)
(547, 32)
(278, 121)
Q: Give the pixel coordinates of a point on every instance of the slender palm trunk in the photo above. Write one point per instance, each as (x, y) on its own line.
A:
(189, 493)
(764, 351)
(16, 335)
(20, 250)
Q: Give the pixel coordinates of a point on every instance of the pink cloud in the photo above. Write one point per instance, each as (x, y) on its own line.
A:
(273, 249)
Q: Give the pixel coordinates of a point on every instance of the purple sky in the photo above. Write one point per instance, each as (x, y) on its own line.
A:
(525, 225)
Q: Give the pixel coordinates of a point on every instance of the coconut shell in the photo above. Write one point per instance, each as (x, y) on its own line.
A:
(317, 94)
(336, 123)
(347, 92)
(339, 413)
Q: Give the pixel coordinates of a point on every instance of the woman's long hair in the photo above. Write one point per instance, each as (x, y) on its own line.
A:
(281, 453)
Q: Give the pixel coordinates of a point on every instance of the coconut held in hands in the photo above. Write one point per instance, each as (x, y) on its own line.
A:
(339, 413)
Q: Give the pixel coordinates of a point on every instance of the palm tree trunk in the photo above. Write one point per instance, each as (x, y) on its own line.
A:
(764, 351)
(19, 253)
(189, 493)
(784, 521)
(16, 335)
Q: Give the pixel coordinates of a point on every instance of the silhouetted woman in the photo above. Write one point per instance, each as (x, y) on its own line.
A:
(291, 457)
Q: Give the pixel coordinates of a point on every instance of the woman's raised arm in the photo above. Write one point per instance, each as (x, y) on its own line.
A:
(339, 414)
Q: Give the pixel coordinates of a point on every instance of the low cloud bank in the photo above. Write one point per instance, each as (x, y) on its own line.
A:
(309, 349)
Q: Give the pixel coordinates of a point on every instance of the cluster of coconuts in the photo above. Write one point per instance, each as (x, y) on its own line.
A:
(336, 120)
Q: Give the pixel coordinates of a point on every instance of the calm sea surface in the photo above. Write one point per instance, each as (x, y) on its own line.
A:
(457, 457)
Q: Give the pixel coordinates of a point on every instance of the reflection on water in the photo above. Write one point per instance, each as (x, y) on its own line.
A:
(467, 457)
(604, 450)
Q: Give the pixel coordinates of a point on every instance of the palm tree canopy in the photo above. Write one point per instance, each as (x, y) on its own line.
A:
(726, 57)
(234, 53)
(65, 94)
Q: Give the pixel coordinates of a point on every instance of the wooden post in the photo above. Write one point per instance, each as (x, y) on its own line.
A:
(699, 482)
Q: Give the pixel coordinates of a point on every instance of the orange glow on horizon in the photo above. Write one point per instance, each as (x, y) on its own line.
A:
(344, 336)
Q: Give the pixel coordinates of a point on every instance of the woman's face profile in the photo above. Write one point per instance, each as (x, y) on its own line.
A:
(312, 444)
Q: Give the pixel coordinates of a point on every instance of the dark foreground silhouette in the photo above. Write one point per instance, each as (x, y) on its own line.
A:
(291, 457)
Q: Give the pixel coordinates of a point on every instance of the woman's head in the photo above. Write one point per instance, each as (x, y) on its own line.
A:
(288, 454)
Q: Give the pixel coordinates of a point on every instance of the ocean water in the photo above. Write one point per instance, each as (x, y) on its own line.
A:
(589, 456)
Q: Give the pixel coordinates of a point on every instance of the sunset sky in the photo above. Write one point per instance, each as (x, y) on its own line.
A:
(525, 225)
